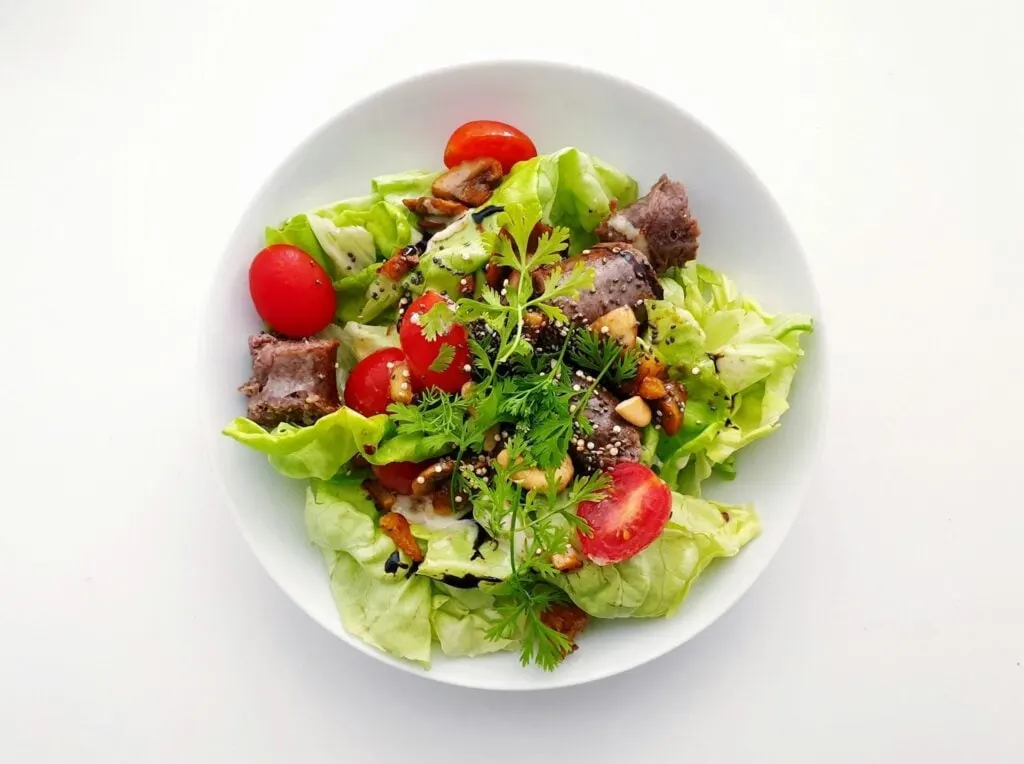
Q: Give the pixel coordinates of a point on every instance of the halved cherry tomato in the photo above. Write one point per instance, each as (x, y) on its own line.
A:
(629, 518)
(368, 389)
(291, 291)
(422, 353)
(487, 138)
(398, 476)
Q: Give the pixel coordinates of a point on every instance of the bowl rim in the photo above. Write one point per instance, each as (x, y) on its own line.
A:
(221, 270)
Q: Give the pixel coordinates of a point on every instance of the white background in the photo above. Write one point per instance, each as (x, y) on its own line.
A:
(135, 626)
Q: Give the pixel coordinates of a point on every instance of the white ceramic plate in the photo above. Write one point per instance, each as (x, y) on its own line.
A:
(744, 234)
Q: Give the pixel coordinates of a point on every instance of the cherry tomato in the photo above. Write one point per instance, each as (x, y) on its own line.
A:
(368, 389)
(487, 138)
(291, 291)
(629, 518)
(398, 476)
(422, 352)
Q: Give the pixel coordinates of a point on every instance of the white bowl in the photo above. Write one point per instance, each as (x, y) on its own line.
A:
(405, 126)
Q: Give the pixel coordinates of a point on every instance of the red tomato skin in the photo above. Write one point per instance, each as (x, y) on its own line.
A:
(398, 476)
(489, 138)
(291, 291)
(628, 520)
(368, 389)
(422, 352)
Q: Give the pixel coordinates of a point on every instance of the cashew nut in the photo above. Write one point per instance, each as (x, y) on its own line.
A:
(620, 323)
(533, 479)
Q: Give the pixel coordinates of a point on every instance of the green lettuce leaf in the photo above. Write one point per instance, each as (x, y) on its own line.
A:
(388, 611)
(350, 248)
(451, 254)
(351, 293)
(317, 451)
(297, 232)
(404, 185)
(656, 581)
(451, 551)
(461, 618)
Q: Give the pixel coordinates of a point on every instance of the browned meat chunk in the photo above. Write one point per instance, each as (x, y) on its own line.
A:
(471, 182)
(565, 618)
(429, 205)
(613, 439)
(292, 380)
(434, 214)
(622, 276)
(400, 263)
(658, 224)
(396, 528)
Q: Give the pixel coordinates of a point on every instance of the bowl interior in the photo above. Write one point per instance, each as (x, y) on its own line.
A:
(744, 234)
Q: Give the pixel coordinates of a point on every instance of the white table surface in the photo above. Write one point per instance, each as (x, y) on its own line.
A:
(135, 626)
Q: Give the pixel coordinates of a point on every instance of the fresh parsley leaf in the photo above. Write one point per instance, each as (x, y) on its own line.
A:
(445, 356)
(437, 321)
(593, 353)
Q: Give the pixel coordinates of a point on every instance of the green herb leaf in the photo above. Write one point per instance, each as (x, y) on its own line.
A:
(445, 356)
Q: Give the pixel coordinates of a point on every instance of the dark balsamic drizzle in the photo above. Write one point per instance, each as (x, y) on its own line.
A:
(394, 563)
(482, 537)
(485, 212)
(468, 581)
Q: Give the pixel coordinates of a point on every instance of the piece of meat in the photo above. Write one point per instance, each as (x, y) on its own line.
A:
(613, 439)
(384, 499)
(658, 224)
(622, 276)
(401, 262)
(292, 380)
(396, 528)
(566, 618)
(470, 182)
(429, 205)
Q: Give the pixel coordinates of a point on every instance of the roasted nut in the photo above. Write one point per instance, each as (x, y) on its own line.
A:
(383, 498)
(466, 389)
(669, 415)
(620, 323)
(565, 618)
(635, 411)
(651, 389)
(650, 367)
(396, 528)
(568, 561)
(433, 476)
(491, 439)
(401, 390)
(533, 479)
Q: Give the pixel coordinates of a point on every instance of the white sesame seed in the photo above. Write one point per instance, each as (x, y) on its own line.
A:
(405, 373)
(421, 480)
(405, 385)
(504, 292)
(437, 468)
(590, 446)
(576, 388)
(616, 429)
(415, 318)
(604, 330)
(572, 408)
(613, 451)
(467, 367)
(695, 370)
(458, 499)
(465, 255)
(391, 364)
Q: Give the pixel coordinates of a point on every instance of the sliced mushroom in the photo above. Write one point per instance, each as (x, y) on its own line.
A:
(425, 206)
(441, 500)
(470, 182)
(396, 528)
(433, 476)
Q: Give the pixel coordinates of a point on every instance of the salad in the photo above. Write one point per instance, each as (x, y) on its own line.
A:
(506, 384)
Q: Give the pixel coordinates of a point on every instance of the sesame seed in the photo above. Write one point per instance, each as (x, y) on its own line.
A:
(415, 318)
(576, 388)
(695, 370)
(604, 330)
(590, 446)
(421, 480)
(467, 367)
(405, 373)
(458, 499)
(391, 364)
(465, 255)
(613, 451)
(617, 429)
(437, 468)
(405, 385)
(572, 408)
